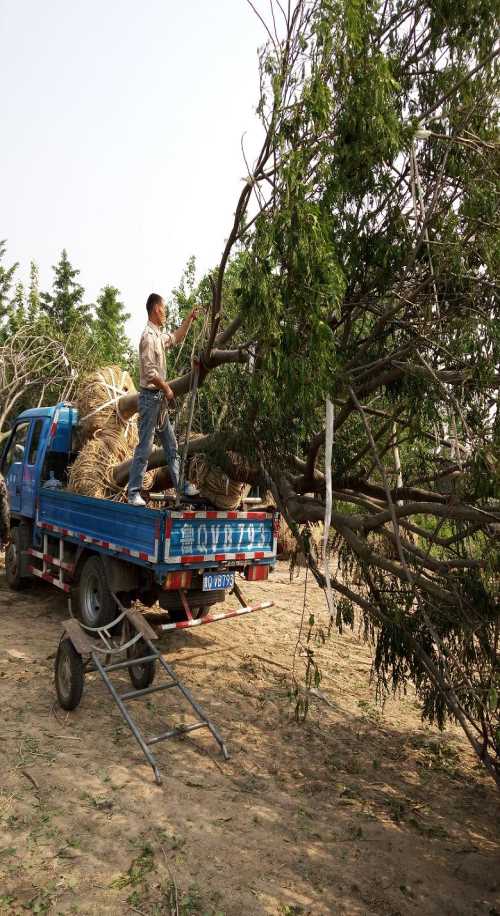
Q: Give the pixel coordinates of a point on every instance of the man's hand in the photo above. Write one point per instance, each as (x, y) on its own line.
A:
(169, 394)
(181, 331)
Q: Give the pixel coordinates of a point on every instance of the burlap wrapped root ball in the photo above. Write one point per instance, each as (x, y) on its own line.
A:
(216, 486)
(97, 402)
(91, 474)
(288, 547)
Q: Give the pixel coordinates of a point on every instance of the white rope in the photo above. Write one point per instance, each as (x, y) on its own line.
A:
(328, 503)
(118, 392)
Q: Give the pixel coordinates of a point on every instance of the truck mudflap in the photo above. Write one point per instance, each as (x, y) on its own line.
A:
(201, 537)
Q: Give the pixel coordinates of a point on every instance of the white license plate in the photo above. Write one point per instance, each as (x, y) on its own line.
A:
(214, 581)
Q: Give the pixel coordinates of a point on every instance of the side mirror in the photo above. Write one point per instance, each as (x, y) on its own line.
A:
(18, 452)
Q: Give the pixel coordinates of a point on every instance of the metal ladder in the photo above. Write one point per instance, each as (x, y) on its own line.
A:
(100, 660)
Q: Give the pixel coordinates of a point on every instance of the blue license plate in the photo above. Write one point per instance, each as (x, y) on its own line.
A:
(214, 581)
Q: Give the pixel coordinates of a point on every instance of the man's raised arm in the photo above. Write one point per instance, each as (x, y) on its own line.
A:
(182, 330)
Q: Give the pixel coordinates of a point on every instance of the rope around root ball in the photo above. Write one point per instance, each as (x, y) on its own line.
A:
(97, 402)
(216, 486)
(91, 474)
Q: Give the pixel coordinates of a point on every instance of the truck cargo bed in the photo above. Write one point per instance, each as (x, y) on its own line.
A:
(167, 539)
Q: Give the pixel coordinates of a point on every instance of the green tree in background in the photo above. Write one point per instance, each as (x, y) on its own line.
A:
(6, 280)
(33, 293)
(109, 327)
(64, 306)
(17, 309)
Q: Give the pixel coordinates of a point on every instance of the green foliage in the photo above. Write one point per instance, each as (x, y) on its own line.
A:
(33, 307)
(59, 322)
(372, 267)
(64, 305)
(17, 309)
(6, 280)
(109, 328)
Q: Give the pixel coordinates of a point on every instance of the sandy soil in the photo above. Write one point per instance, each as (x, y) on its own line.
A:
(361, 810)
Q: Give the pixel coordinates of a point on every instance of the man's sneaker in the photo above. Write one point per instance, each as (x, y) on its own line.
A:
(191, 490)
(136, 500)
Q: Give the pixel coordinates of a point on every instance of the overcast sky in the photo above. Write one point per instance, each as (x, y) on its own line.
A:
(121, 125)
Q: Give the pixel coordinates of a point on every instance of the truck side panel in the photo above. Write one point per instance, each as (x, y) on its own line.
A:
(112, 526)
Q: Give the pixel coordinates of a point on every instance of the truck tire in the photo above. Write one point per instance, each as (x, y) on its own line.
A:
(94, 604)
(68, 675)
(20, 540)
(198, 601)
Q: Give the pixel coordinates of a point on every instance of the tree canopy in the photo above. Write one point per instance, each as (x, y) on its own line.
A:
(366, 277)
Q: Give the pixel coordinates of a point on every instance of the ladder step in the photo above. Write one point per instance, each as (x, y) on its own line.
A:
(180, 730)
(134, 694)
(129, 663)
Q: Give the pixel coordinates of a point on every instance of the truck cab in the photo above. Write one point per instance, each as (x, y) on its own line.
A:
(27, 461)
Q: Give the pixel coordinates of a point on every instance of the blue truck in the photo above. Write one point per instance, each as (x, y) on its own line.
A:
(97, 549)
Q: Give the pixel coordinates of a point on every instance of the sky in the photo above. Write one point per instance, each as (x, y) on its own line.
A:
(121, 127)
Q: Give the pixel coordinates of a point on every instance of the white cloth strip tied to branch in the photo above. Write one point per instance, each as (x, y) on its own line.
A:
(328, 503)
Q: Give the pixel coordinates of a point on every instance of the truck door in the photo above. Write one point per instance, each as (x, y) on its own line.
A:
(12, 464)
(31, 470)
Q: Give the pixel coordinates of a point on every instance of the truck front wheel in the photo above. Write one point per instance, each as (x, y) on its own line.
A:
(20, 539)
(95, 605)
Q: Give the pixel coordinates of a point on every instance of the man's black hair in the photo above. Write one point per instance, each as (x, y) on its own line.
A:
(153, 299)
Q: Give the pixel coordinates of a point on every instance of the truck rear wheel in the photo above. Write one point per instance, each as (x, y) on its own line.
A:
(95, 605)
(20, 539)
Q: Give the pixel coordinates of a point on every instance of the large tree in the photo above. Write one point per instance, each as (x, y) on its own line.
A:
(368, 295)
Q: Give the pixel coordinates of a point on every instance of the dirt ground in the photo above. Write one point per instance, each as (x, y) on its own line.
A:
(361, 810)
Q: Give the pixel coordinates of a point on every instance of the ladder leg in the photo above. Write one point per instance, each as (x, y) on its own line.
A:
(191, 700)
(130, 722)
(239, 594)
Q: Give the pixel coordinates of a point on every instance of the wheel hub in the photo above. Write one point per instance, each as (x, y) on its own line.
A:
(91, 601)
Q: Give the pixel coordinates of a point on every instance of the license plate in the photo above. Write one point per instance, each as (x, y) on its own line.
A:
(214, 581)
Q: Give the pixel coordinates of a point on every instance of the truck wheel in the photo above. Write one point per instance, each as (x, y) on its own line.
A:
(95, 605)
(20, 539)
(69, 675)
(141, 675)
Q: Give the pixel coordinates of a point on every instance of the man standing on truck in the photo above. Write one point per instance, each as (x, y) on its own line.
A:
(4, 514)
(153, 389)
